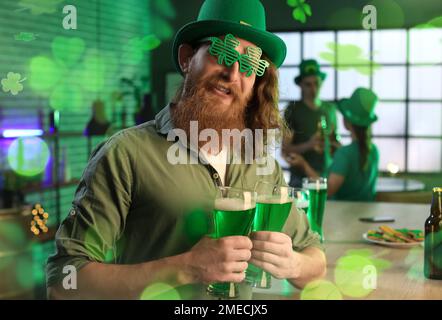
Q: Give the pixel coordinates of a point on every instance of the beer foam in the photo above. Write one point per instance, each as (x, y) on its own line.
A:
(234, 204)
(315, 186)
(278, 199)
(302, 203)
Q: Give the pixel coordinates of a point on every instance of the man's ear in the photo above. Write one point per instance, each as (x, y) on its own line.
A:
(185, 54)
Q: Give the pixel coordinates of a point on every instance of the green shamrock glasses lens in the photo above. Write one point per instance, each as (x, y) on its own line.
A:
(225, 50)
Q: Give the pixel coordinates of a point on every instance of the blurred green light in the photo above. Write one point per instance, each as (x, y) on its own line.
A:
(320, 290)
(67, 51)
(28, 156)
(351, 277)
(25, 272)
(67, 97)
(38, 7)
(389, 13)
(160, 291)
(344, 17)
(44, 74)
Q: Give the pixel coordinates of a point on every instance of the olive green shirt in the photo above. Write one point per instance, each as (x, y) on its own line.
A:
(132, 205)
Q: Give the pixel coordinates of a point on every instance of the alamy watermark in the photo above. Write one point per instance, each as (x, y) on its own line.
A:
(256, 151)
(70, 20)
(370, 280)
(70, 280)
(370, 20)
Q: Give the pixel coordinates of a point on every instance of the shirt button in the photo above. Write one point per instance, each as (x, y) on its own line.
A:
(215, 176)
(72, 212)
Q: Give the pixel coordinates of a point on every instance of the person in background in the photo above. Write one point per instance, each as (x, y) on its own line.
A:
(312, 122)
(98, 124)
(353, 173)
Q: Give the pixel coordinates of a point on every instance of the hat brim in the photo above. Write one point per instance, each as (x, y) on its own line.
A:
(344, 108)
(322, 75)
(273, 46)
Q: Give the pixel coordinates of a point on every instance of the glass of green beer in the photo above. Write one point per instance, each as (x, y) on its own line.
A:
(233, 213)
(273, 206)
(301, 199)
(317, 191)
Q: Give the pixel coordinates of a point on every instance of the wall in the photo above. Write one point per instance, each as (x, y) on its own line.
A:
(67, 70)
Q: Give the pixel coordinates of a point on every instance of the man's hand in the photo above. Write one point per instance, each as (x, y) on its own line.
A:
(316, 143)
(298, 161)
(273, 252)
(335, 145)
(295, 160)
(219, 260)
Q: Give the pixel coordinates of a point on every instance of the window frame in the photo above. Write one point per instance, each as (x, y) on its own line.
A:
(406, 101)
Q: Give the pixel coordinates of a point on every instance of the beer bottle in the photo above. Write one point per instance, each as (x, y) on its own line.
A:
(433, 238)
(325, 136)
(320, 132)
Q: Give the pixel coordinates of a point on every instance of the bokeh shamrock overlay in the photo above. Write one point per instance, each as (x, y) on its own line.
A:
(74, 71)
(350, 276)
(12, 83)
(39, 7)
(348, 56)
(301, 10)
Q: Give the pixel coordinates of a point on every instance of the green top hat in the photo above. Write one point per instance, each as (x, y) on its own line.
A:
(359, 109)
(242, 18)
(309, 68)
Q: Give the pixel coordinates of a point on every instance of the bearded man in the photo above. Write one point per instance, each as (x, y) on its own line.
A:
(140, 218)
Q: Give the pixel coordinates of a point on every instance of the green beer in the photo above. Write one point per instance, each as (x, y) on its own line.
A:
(302, 205)
(232, 223)
(231, 217)
(271, 215)
(317, 198)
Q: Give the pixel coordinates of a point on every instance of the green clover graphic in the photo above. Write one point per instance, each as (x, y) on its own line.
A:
(301, 10)
(69, 73)
(25, 36)
(162, 12)
(38, 7)
(136, 48)
(349, 57)
(12, 83)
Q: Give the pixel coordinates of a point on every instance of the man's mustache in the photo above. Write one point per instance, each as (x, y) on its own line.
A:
(234, 91)
(217, 81)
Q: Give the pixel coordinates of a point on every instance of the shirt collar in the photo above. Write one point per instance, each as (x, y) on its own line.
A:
(163, 121)
(164, 124)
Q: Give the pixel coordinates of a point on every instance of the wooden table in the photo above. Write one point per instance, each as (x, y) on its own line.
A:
(403, 279)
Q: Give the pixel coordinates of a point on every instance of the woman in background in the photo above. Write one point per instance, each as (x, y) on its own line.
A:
(353, 173)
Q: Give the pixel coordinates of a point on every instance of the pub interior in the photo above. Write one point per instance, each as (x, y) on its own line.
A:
(359, 90)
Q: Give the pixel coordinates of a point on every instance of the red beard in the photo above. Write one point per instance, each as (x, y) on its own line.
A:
(199, 103)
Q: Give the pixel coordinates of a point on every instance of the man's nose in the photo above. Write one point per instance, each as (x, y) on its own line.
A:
(232, 73)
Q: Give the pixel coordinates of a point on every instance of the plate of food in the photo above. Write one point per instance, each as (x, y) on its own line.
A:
(399, 238)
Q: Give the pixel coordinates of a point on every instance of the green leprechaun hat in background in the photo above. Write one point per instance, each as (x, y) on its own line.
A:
(359, 109)
(309, 68)
(243, 18)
